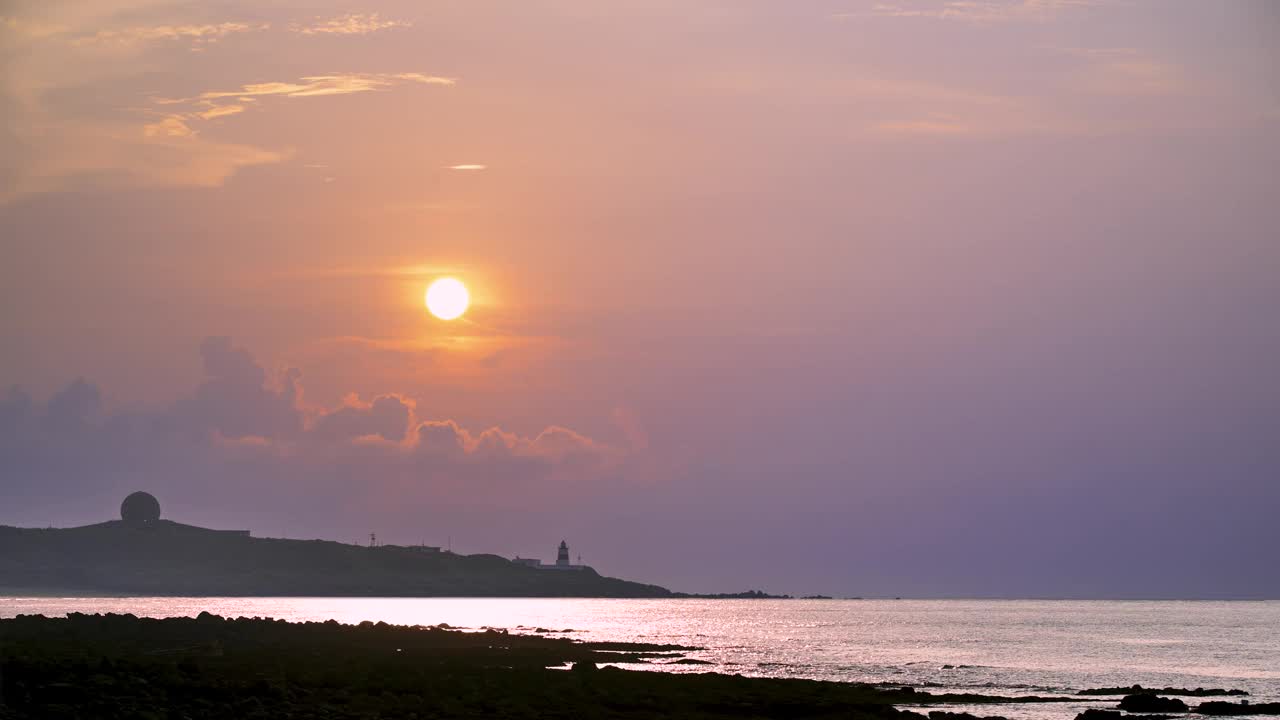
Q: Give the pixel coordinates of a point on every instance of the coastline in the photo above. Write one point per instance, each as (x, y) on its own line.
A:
(116, 665)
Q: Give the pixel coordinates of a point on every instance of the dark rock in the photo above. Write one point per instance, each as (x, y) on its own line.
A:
(1218, 707)
(1139, 690)
(1095, 714)
(1145, 703)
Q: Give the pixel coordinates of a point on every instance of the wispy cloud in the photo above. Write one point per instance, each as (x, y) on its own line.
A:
(467, 167)
(33, 29)
(351, 24)
(942, 126)
(169, 126)
(221, 111)
(165, 153)
(973, 11)
(1124, 71)
(313, 85)
(199, 34)
(209, 105)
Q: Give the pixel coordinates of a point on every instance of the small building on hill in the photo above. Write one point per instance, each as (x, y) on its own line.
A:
(562, 561)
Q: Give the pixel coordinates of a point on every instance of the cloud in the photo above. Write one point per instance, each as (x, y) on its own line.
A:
(73, 406)
(387, 417)
(220, 111)
(74, 73)
(32, 29)
(316, 85)
(234, 400)
(351, 24)
(168, 126)
(199, 34)
(976, 11)
(467, 167)
(1124, 72)
(938, 126)
(176, 122)
(163, 153)
(68, 101)
(249, 428)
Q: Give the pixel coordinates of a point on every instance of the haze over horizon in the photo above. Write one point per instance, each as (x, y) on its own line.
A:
(914, 298)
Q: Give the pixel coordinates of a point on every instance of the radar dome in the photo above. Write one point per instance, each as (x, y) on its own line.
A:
(139, 508)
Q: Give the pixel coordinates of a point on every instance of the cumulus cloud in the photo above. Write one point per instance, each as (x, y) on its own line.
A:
(387, 417)
(235, 401)
(247, 428)
(73, 406)
(350, 24)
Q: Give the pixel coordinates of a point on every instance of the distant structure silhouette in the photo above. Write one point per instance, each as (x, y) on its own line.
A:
(141, 511)
(140, 508)
(562, 561)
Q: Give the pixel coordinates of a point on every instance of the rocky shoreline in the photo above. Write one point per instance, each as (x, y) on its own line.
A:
(122, 666)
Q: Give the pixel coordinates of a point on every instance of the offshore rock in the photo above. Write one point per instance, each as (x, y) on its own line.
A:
(1145, 703)
(1139, 690)
(1218, 707)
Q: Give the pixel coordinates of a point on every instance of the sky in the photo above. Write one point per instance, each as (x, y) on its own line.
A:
(901, 298)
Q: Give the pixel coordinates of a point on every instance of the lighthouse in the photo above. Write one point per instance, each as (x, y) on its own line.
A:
(562, 561)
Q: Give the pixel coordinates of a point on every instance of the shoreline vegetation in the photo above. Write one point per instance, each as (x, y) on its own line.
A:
(122, 666)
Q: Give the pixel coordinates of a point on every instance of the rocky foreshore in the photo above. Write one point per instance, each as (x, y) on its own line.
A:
(122, 666)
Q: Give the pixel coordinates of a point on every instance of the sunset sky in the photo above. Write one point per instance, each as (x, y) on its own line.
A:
(953, 297)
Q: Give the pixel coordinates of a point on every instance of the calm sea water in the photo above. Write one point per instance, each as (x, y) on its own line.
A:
(1013, 647)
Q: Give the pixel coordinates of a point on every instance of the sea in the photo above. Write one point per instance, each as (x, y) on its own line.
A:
(997, 647)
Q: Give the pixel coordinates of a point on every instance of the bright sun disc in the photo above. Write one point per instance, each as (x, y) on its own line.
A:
(447, 298)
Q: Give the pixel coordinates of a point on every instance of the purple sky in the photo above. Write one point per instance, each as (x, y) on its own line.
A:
(863, 298)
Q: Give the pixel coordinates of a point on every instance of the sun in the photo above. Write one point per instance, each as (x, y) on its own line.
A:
(447, 298)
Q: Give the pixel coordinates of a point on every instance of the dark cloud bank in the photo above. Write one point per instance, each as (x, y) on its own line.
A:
(245, 448)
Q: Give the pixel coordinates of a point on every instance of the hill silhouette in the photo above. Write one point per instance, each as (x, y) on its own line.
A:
(168, 558)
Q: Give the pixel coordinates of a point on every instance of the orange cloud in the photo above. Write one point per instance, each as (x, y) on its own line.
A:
(168, 126)
(931, 126)
(198, 33)
(350, 24)
(177, 123)
(221, 111)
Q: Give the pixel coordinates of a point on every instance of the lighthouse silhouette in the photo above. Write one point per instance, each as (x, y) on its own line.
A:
(562, 556)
